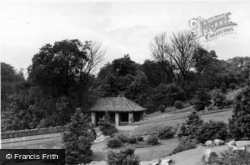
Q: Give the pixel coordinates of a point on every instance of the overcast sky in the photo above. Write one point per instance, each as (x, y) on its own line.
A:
(123, 27)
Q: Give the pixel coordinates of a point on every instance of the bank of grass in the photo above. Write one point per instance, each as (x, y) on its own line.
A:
(154, 126)
(149, 153)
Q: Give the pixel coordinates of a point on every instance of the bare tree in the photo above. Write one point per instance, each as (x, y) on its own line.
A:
(95, 55)
(178, 51)
(183, 46)
(158, 47)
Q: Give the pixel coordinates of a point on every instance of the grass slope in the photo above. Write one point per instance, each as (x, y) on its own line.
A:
(178, 119)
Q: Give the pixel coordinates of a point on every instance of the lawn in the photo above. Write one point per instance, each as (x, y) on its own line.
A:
(159, 151)
(154, 126)
(50, 143)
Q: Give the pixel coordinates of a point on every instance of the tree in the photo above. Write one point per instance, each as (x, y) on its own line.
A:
(63, 72)
(10, 78)
(78, 142)
(206, 68)
(163, 96)
(201, 99)
(239, 124)
(20, 111)
(218, 98)
(64, 67)
(188, 129)
(107, 128)
(158, 52)
(178, 52)
(239, 67)
(123, 77)
(155, 73)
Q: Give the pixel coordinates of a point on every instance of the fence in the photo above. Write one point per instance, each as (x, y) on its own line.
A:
(32, 132)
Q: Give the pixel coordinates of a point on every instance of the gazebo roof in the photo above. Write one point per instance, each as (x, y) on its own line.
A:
(116, 104)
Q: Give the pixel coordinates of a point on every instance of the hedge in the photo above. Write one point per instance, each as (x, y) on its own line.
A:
(32, 132)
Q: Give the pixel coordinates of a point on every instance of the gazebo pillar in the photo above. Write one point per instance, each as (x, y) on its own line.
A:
(117, 119)
(93, 118)
(142, 115)
(130, 118)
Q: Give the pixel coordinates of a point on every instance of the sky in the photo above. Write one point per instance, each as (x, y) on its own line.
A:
(123, 27)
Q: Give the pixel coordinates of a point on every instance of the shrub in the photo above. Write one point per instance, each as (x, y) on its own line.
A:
(107, 128)
(239, 125)
(139, 138)
(188, 129)
(183, 146)
(152, 140)
(162, 108)
(232, 86)
(235, 157)
(223, 87)
(229, 102)
(219, 99)
(114, 143)
(165, 95)
(122, 137)
(166, 132)
(65, 136)
(212, 130)
(201, 99)
(178, 104)
(126, 156)
(132, 140)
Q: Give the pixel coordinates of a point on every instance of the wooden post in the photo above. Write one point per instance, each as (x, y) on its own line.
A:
(130, 118)
(117, 119)
(142, 115)
(93, 118)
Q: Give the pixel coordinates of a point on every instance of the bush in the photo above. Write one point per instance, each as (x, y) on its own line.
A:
(114, 143)
(166, 132)
(229, 103)
(139, 138)
(152, 140)
(223, 87)
(232, 86)
(126, 156)
(164, 95)
(219, 99)
(132, 140)
(162, 108)
(239, 124)
(65, 136)
(212, 130)
(122, 137)
(235, 158)
(201, 99)
(107, 128)
(183, 146)
(178, 104)
(188, 129)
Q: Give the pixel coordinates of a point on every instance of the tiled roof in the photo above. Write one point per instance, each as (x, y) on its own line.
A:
(116, 104)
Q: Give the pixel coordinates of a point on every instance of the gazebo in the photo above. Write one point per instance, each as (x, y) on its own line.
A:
(122, 111)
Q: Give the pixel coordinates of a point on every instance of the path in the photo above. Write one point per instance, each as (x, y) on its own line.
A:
(49, 141)
(30, 141)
